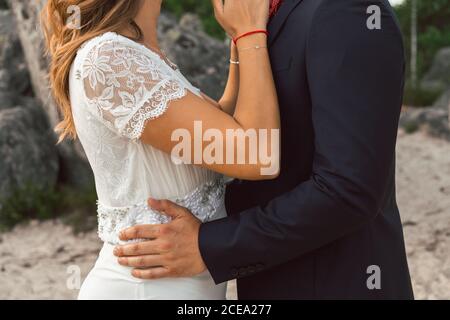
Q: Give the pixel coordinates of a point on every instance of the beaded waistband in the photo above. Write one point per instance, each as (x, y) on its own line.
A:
(203, 202)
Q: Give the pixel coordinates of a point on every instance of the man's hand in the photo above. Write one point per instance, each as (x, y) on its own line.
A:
(172, 249)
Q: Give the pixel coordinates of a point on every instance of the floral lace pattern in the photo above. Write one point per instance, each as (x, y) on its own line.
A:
(116, 85)
(203, 202)
(126, 85)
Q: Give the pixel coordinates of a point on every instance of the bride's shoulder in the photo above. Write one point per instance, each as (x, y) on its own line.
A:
(111, 44)
(98, 41)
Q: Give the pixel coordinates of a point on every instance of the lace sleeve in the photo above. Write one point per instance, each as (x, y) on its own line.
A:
(125, 86)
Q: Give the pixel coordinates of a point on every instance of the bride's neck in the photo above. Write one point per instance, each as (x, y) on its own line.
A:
(147, 20)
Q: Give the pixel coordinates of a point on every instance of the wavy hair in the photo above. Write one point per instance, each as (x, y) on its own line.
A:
(62, 41)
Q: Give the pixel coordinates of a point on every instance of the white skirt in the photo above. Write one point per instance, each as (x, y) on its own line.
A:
(109, 280)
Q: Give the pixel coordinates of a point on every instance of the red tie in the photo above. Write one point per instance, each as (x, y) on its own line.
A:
(274, 6)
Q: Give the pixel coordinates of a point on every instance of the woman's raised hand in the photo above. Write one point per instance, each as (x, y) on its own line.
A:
(240, 16)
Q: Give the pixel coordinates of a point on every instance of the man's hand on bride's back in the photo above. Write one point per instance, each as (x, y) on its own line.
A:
(172, 249)
(240, 16)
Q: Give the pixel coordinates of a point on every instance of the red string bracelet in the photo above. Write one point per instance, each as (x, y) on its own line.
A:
(235, 40)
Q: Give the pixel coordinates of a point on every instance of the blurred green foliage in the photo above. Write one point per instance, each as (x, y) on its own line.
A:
(3, 4)
(433, 34)
(74, 206)
(411, 127)
(417, 96)
(433, 29)
(202, 8)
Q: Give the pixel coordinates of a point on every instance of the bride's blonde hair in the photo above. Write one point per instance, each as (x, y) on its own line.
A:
(63, 40)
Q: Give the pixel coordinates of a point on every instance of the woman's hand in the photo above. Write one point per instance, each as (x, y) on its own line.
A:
(241, 16)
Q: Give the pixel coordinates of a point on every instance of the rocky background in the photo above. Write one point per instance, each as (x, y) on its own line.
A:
(434, 119)
(40, 180)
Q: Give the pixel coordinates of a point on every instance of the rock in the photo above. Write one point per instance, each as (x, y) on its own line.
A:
(433, 120)
(14, 75)
(191, 22)
(200, 57)
(27, 146)
(6, 100)
(28, 156)
(444, 101)
(75, 169)
(5, 79)
(26, 16)
(6, 26)
(438, 77)
(11, 100)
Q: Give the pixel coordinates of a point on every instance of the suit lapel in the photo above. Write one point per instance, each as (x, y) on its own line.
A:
(277, 22)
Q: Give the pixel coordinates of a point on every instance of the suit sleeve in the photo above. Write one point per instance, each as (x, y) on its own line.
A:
(355, 77)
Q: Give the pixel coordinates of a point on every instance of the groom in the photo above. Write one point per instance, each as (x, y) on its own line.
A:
(329, 226)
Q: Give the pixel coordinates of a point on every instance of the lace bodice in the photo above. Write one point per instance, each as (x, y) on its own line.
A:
(116, 87)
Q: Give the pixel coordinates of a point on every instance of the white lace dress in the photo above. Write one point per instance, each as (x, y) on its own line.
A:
(116, 86)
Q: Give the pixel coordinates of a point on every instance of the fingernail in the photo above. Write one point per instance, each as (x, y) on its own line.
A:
(116, 251)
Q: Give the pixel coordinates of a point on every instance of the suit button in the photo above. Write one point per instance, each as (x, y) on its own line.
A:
(234, 272)
(260, 267)
(252, 269)
(243, 272)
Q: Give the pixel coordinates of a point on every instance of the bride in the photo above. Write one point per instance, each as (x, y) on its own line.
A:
(123, 99)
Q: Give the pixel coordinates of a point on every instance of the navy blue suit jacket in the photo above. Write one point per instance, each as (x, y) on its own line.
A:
(321, 229)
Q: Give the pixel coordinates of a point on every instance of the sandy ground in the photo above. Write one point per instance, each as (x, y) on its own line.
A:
(42, 260)
(423, 189)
